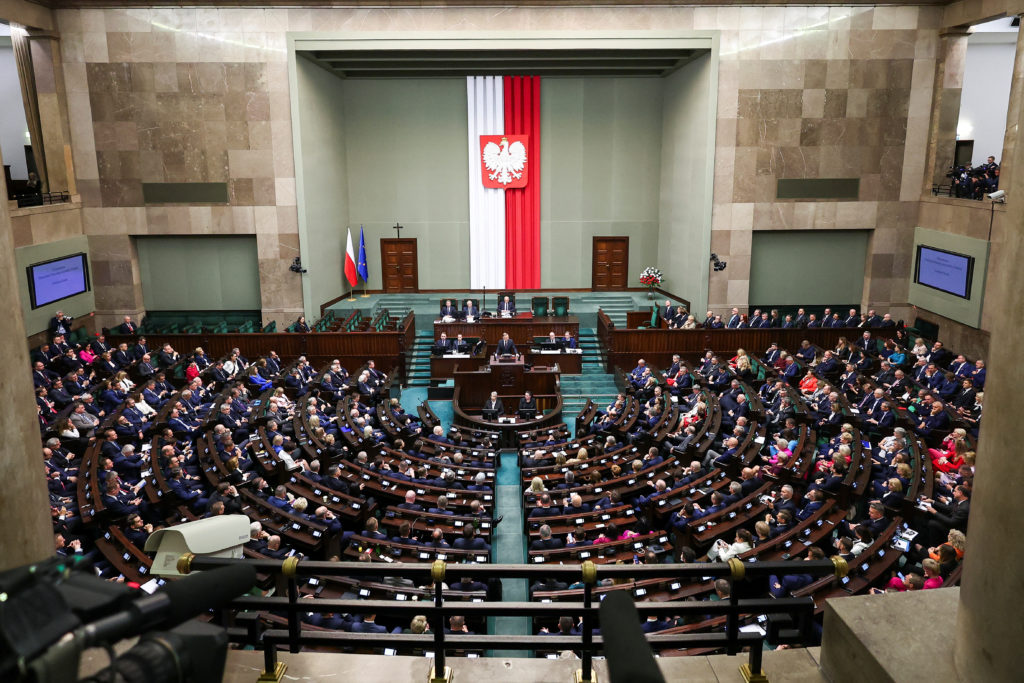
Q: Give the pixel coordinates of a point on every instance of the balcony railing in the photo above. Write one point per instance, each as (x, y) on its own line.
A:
(788, 620)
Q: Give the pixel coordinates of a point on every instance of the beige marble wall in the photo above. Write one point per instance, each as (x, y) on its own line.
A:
(194, 94)
(42, 224)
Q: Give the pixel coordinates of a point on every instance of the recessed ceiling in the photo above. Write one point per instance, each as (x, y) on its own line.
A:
(458, 63)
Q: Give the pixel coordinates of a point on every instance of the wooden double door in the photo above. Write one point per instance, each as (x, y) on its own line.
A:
(610, 269)
(398, 260)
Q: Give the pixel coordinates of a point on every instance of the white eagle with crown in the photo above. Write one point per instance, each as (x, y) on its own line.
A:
(506, 162)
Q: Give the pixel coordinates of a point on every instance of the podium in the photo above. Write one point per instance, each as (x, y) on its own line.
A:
(507, 375)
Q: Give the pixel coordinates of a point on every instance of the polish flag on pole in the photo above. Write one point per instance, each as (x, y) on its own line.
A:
(350, 262)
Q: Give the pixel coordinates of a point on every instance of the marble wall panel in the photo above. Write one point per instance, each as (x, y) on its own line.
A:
(201, 94)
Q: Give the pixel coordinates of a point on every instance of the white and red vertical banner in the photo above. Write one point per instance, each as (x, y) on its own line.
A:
(504, 178)
(486, 204)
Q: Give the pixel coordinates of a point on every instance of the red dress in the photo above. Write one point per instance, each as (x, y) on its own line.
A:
(948, 451)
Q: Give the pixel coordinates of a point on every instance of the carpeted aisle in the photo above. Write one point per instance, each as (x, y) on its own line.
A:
(509, 546)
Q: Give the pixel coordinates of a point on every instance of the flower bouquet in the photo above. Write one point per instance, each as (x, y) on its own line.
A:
(650, 278)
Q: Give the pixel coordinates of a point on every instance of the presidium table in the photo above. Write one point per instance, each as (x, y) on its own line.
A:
(523, 329)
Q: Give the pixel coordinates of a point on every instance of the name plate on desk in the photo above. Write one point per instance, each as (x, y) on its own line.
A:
(455, 355)
(573, 351)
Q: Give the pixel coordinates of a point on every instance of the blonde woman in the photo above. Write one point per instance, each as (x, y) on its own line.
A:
(690, 324)
(537, 485)
(920, 348)
(121, 379)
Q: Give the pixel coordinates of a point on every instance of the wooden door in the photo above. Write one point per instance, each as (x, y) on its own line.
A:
(398, 262)
(610, 270)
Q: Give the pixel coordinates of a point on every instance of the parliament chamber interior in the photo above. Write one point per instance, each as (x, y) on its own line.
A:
(620, 341)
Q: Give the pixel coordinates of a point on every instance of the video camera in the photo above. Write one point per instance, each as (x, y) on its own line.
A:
(53, 611)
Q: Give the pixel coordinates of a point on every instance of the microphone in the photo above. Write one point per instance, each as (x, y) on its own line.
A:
(629, 655)
(177, 602)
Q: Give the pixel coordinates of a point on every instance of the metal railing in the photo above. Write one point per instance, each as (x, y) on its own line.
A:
(789, 619)
(42, 198)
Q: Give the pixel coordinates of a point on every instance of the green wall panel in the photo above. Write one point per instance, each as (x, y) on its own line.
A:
(807, 267)
(966, 311)
(82, 304)
(687, 157)
(405, 153)
(600, 166)
(321, 184)
(214, 273)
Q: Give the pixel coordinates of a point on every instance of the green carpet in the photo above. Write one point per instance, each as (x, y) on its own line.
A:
(510, 548)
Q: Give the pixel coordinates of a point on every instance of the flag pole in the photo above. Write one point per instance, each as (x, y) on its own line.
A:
(363, 271)
(351, 288)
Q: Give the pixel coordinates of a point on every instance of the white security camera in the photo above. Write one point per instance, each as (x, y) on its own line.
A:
(221, 536)
(997, 196)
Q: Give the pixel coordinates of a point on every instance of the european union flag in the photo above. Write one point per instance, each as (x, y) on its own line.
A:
(364, 272)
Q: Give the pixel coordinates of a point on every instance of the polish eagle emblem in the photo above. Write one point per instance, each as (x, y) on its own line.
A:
(504, 160)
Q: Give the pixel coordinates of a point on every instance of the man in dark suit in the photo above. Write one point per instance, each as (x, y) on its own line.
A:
(466, 583)
(442, 507)
(507, 306)
(334, 481)
(145, 367)
(127, 327)
(545, 508)
(873, 320)
(937, 420)
(546, 542)
(667, 312)
(939, 355)
(469, 309)
(42, 377)
(99, 345)
(167, 356)
(121, 357)
(568, 341)
(368, 625)
(410, 502)
(951, 514)
(734, 319)
(470, 541)
(459, 345)
(801, 318)
(444, 344)
(448, 310)
(60, 325)
(506, 347)
(140, 349)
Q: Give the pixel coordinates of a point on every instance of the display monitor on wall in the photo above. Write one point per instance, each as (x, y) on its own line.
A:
(945, 271)
(56, 279)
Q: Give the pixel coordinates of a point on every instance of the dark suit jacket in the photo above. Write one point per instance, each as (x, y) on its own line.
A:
(549, 544)
(506, 347)
(954, 515)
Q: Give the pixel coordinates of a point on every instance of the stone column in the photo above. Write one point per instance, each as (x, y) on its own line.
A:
(949, 79)
(989, 629)
(24, 506)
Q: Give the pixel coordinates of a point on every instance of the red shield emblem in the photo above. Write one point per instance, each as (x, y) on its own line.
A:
(503, 162)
